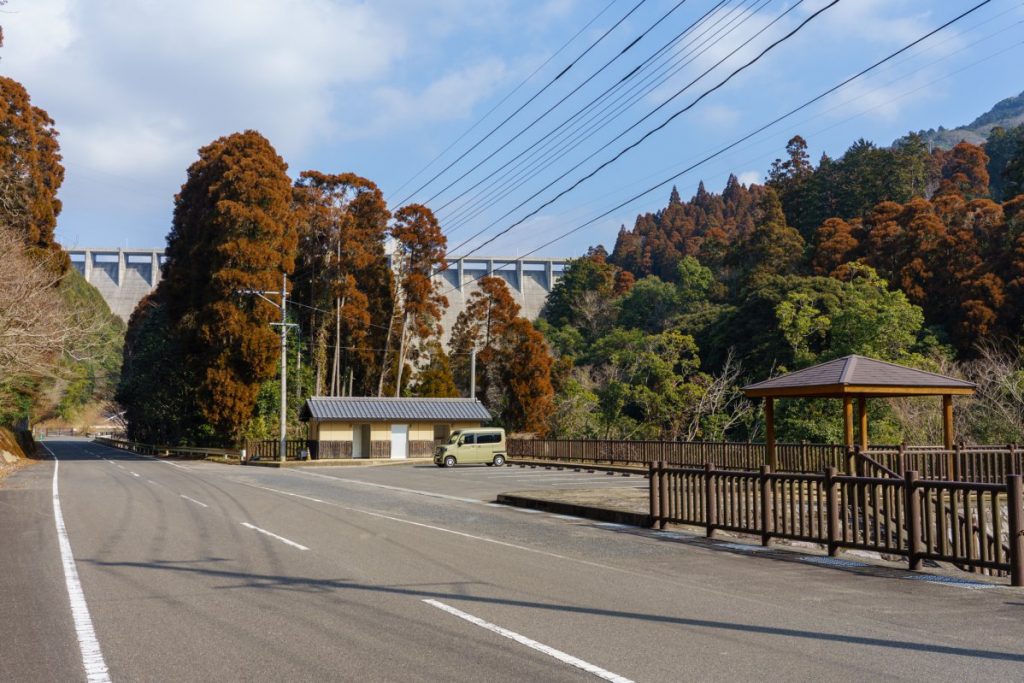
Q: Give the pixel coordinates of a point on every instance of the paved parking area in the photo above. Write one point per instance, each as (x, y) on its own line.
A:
(479, 482)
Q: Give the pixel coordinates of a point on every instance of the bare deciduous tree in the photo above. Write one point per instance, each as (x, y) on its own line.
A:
(722, 406)
(37, 328)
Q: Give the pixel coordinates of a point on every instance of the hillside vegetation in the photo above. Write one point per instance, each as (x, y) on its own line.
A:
(906, 254)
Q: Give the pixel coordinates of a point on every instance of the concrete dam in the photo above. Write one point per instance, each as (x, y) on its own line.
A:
(124, 276)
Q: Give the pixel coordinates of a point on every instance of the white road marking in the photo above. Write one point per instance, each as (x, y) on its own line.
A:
(532, 644)
(92, 656)
(273, 535)
(193, 500)
(569, 518)
(135, 474)
(463, 534)
(150, 481)
(418, 492)
(528, 511)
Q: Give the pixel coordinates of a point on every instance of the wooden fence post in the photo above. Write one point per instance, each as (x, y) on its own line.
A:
(901, 463)
(1015, 507)
(710, 505)
(912, 508)
(766, 505)
(955, 474)
(654, 491)
(663, 501)
(832, 502)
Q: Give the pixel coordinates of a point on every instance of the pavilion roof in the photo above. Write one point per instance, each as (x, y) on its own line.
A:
(858, 376)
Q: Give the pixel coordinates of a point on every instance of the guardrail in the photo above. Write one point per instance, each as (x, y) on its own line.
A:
(975, 526)
(186, 451)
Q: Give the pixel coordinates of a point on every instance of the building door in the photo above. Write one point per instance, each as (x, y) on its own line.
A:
(361, 441)
(399, 442)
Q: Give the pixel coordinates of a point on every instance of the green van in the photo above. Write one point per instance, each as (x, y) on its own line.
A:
(465, 446)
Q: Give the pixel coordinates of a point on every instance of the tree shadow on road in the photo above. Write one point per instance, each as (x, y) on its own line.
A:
(308, 584)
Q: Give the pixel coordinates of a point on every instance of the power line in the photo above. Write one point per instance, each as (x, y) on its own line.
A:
(746, 137)
(619, 83)
(519, 175)
(651, 132)
(505, 99)
(561, 101)
(527, 103)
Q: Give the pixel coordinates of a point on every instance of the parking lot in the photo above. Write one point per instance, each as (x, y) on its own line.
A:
(479, 482)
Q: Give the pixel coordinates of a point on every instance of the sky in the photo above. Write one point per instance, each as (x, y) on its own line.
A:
(384, 89)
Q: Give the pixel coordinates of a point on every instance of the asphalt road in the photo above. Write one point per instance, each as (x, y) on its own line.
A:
(197, 571)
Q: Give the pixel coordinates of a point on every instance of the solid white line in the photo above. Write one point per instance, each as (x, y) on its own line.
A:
(193, 500)
(92, 657)
(418, 492)
(272, 535)
(533, 644)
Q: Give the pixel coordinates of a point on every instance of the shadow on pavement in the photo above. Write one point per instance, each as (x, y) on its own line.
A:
(269, 581)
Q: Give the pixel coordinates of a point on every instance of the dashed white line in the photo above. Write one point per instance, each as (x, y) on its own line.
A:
(275, 536)
(135, 474)
(193, 500)
(92, 656)
(532, 644)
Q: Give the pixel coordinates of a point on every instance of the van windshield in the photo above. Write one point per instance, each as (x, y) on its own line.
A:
(454, 437)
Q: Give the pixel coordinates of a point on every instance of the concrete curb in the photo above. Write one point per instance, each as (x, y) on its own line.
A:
(586, 511)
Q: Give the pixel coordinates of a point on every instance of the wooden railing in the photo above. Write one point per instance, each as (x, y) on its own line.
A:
(975, 526)
(979, 464)
(792, 457)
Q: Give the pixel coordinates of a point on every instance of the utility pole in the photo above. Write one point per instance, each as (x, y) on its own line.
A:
(472, 373)
(284, 325)
(284, 367)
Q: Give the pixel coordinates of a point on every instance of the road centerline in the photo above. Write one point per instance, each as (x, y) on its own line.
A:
(193, 500)
(274, 536)
(563, 657)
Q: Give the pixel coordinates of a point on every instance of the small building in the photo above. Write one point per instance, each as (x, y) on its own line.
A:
(395, 428)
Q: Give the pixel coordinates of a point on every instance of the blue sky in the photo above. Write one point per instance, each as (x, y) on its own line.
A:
(381, 88)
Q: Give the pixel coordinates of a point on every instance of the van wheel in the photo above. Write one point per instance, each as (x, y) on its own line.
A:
(449, 461)
(499, 460)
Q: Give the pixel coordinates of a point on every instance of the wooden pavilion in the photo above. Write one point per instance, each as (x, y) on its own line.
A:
(860, 378)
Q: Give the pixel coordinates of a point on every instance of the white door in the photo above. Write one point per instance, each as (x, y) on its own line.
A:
(399, 442)
(357, 442)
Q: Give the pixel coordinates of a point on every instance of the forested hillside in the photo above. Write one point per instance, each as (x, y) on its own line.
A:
(1008, 113)
(61, 347)
(906, 253)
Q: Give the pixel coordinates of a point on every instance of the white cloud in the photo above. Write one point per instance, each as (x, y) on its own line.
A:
(450, 97)
(750, 177)
(140, 85)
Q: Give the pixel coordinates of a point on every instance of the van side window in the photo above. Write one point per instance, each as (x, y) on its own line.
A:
(469, 438)
(489, 438)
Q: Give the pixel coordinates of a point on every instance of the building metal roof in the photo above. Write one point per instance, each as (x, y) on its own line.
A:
(852, 375)
(370, 409)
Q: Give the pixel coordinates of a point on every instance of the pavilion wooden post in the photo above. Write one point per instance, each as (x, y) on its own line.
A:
(862, 417)
(947, 421)
(769, 433)
(847, 421)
